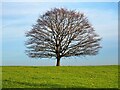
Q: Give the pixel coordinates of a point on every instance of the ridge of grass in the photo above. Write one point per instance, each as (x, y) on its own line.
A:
(60, 77)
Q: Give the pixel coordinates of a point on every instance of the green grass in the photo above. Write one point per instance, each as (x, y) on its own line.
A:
(60, 77)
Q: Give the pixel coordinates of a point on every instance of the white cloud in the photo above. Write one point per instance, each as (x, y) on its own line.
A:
(105, 22)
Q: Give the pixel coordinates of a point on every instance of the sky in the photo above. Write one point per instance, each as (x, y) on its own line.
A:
(18, 18)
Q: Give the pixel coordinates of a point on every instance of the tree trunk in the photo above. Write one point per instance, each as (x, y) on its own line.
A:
(58, 61)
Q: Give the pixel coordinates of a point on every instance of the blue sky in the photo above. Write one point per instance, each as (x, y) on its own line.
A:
(17, 18)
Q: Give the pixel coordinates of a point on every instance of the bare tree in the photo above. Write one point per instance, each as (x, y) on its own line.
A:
(62, 33)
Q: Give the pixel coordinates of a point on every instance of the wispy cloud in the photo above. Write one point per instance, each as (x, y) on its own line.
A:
(104, 22)
(26, 14)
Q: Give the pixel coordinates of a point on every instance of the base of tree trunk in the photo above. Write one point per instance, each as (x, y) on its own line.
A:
(58, 62)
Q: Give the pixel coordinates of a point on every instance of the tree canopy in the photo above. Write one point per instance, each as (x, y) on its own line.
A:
(62, 33)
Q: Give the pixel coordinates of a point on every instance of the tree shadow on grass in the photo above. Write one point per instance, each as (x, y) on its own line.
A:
(32, 85)
(38, 85)
(48, 86)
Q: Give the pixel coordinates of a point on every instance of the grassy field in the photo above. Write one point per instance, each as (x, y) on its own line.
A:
(60, 77)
